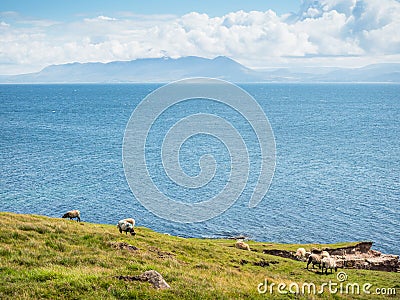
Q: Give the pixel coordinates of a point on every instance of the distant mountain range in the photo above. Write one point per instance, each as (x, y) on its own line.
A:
(169, 69)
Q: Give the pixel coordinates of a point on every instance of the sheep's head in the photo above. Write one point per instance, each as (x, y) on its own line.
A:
(65, 215)
(133, 232)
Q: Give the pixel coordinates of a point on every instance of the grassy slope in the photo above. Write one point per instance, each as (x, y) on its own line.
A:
(43, 257)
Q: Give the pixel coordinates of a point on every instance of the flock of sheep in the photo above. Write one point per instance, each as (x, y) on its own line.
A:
(322, 259)
(125, 225)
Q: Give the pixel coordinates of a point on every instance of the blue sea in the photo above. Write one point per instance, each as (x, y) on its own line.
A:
(337, 175)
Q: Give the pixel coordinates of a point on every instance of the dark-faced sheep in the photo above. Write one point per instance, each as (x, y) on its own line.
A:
(73, 214)
(126, 226)
(315, 259)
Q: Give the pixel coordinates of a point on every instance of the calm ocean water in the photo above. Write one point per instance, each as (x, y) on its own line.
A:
(336, 179)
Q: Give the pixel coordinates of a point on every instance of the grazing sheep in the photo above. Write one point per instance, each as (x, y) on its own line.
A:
(328, 263)
(300, 253)
(125, 226)
(129, 220)
(315, 259)
(242, 245)
(325, 254)
(73, 214)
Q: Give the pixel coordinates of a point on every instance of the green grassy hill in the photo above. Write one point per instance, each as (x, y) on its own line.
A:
(49, 258)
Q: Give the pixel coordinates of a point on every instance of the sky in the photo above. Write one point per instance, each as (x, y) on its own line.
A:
(258, 34)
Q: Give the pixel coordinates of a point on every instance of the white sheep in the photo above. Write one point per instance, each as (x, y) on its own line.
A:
(126, 226)
(325, 254)
(328, 263)
(315, 258)
(300, 253)
(73, 214)
(129, 220)
(242, 245)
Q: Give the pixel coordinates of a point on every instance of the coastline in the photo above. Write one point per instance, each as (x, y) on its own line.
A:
(51, 258)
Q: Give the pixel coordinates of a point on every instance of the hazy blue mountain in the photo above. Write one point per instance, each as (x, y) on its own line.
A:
(370, 73)
(169, 69)
(140, 70)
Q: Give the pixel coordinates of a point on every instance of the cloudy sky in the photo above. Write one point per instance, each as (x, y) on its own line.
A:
(258, 34)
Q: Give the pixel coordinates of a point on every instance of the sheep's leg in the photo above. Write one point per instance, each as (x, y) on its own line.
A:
(308, 262)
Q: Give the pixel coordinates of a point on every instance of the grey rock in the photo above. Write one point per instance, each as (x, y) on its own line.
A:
(154, 278)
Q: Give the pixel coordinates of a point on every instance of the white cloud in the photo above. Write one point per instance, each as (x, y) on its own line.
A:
(322, 31)
(100, 18)
(38, 23)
